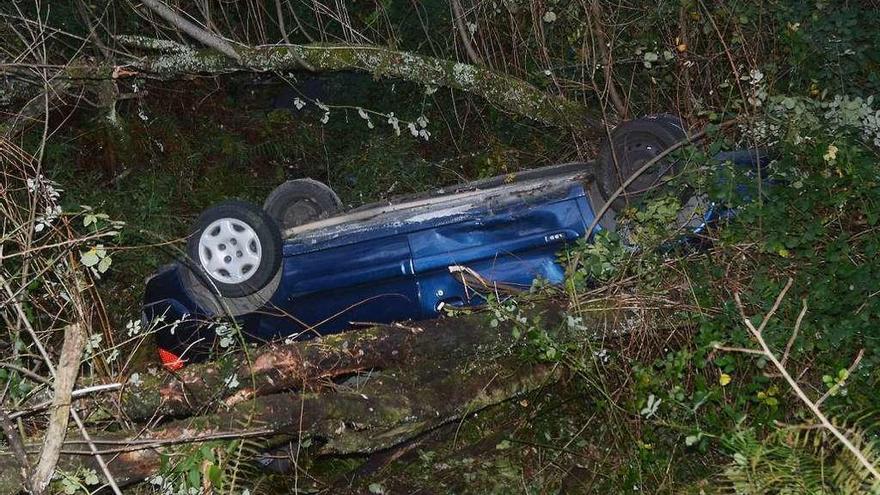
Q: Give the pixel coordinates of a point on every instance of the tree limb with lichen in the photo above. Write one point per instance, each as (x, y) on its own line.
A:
(164, 59)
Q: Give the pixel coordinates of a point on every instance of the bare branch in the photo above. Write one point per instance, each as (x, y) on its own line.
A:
(280, 13)
(812, 406)
(458, 18)
(65, 377)
(795, 332)
(197, 33)
(607, 60)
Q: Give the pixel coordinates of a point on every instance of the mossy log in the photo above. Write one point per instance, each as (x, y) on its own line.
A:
(168, 60)
(446, 370)
(431, 373)
(309, 365)
(509, 93)
(388, 409)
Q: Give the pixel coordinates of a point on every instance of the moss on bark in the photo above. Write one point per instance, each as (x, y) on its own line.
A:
(509, 93)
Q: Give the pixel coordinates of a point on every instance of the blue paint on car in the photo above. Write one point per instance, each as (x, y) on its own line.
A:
(400, 270)
(396, 266)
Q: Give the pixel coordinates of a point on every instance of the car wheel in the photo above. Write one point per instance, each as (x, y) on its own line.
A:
(235, 249)
(300, 201)
(632, 144)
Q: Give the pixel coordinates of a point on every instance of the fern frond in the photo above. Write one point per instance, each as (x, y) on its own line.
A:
(803, 459)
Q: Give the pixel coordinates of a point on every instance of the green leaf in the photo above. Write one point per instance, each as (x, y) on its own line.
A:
(104, 265)
(215, 475)
(207, 453)
(195, 478)
(91, 477)
(89, 258)
(68, 486)
(503, 445)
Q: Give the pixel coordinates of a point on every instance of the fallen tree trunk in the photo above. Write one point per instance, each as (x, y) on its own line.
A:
(440, 371)
(509, 93)
(169, 60)
(202, 388)
(388, 409)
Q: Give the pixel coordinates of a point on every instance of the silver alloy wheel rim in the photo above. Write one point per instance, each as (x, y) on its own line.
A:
(230, 251)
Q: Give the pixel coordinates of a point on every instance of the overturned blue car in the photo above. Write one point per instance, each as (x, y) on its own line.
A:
(299, 267)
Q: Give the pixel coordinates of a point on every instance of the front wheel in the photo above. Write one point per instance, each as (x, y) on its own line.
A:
(235, 248)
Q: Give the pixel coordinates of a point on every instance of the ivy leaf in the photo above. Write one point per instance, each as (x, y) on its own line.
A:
(215, 475)
(207, 453)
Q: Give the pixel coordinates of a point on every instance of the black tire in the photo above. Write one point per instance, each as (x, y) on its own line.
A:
(633, 144)
(213, 304)
(263, 240)
(300, 201)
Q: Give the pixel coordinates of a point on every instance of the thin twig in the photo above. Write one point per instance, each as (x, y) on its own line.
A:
(773, 309)
(135, 445)
(794, 333)
(15, 443)
(76, 394)
(607, 60)
(739, 349)
(458, 18)
(26, 372)
(833, 390)
(280, 13)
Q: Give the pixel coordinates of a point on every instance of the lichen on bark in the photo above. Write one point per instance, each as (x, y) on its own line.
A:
(509, 93)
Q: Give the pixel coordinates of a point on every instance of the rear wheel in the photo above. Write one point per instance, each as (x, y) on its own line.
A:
(300, 201)
(631, 146)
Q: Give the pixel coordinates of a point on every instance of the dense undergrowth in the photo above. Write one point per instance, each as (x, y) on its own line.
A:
(705, 394)
(671, 405)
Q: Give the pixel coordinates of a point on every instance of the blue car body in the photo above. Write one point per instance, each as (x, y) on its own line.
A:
(399, 263)
(388, 263)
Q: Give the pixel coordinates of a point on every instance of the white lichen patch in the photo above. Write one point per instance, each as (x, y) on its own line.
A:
(158, 45)
(464, 74)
